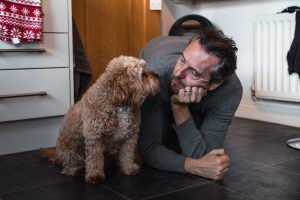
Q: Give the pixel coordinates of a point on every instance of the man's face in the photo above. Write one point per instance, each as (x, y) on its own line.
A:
(193, 68)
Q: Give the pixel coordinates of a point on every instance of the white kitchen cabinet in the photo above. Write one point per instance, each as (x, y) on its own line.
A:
(52, 52)
(36, 83)
(56, 15)
(34, 93)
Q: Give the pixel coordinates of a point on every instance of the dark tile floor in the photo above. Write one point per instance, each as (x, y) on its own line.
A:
(262, 167)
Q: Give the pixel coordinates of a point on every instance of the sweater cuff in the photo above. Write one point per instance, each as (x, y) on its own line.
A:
(180, 164)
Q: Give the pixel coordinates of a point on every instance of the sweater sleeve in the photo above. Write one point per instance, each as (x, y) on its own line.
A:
(161, 55)
(191, 140)
(151, 147)
(196, 142)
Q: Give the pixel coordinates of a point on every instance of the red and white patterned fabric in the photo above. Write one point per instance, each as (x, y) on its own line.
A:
(20, 20)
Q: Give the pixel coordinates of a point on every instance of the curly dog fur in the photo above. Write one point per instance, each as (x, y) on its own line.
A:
(105, 120)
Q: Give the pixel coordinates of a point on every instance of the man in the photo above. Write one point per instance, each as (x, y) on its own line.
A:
(183, 128)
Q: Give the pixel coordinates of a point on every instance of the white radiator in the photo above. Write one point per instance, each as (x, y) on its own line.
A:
(274, 35)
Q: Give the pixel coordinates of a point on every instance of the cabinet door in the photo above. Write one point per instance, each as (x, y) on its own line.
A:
(26, 94)
(55, 16)
(56, 53)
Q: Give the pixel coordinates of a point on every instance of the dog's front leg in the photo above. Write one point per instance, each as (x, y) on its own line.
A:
(94, 158)
(128, 156)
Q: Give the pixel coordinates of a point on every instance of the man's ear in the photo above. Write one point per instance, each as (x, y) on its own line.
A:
(215, 84)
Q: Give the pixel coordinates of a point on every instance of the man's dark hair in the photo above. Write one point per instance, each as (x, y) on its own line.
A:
(214, 42)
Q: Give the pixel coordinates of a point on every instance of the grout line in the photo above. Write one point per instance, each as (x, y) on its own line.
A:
(115, 191)
(247, 172)
(154, 196)
(233, 190)
(284, 170)
(281, 162)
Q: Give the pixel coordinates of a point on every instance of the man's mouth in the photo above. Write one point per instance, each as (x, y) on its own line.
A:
(176, 85)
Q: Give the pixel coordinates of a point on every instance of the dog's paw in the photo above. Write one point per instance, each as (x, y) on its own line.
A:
(94, 178)
(132, 170)
(72, 171)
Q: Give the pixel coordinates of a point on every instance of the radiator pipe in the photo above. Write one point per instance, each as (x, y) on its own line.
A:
(253, 94)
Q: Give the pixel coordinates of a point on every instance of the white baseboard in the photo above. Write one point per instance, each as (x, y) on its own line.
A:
(263, 111)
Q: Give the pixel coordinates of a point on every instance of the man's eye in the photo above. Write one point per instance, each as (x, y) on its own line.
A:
(194, 73)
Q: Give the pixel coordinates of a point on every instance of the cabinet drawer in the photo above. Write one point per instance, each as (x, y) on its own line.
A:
(34, 93)
(55, 16)
(56, 53)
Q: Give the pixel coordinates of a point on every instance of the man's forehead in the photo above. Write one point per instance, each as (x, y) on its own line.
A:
(196, 57)
(195, 51)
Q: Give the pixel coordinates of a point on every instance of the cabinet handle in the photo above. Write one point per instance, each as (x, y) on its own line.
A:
(42, 50)
(5, 96)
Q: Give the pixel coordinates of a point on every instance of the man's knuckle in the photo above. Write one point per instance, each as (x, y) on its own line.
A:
(220, 168)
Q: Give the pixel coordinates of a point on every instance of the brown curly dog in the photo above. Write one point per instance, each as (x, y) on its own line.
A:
(105, 120)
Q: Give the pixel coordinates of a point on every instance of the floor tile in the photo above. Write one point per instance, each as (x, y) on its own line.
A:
(232, 138)
(208, 191)
(265, 153)
(265, 184)
(284, 138)
(22, 157)
(262, 167)
(70, 190)
(259, 131)
(28, 175)
(292, 166)
(241, 166)
(151, 182)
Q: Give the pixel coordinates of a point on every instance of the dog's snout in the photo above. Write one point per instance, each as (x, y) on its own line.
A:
(150, 74)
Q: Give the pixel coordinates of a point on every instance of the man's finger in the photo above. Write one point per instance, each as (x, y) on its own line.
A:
(187, 89)
(181, 95)
(195, 94)
(218, 152)
(200, 94)
(174, 98)
(222, 173)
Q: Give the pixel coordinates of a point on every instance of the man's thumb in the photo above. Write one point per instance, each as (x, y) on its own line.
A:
(174, 98)
(217, 152)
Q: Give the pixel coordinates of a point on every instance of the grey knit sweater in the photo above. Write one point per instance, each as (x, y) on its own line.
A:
(164, 145)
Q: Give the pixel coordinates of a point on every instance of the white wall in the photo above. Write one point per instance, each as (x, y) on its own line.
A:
(236, 18)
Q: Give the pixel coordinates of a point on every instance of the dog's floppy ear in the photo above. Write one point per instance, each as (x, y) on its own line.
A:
(117, 91)
(121, 87)
(126, 76)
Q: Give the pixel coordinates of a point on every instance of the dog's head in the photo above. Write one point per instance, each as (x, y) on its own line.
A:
(130, 83)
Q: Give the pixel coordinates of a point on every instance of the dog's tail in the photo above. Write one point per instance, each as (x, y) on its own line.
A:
(51, 155)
